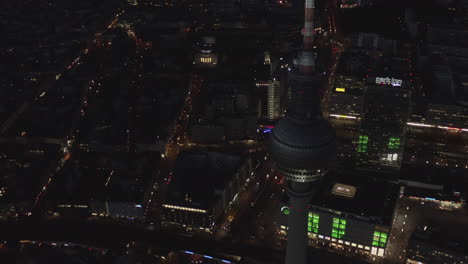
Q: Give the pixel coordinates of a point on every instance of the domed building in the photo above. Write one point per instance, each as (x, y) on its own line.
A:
(206, 55)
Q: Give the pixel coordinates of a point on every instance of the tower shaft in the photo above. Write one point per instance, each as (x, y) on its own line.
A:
(303, 143)
(296, 249)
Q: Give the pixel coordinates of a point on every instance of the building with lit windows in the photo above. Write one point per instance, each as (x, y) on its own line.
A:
(438, 119)
(346, 99)
(206, 55)
(190, 257)
(357, 3)
(440, 116)
(116, 210)
(432, 246)
(349, 85)
(439, 185)
(274, 110)
(383, 124)
(351, 214)
(202, 186)
(119, 187)
(446, 127)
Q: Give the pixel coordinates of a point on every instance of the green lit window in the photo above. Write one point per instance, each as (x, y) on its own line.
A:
(339, 227)
(394, 143)
(379, 239)
(362, 144)
(313, 222)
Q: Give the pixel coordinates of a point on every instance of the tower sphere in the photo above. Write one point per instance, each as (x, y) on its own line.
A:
(302, 148)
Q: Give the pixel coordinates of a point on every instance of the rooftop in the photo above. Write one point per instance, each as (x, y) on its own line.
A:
(450, 178)
(113, 177)
(370, 198)
(198, 175)
(448, 238)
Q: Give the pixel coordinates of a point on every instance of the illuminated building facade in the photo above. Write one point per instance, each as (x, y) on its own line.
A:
(340, 216)
(206, 60)
(381, 137)
(203, 185)
(186, 257)
(274, 91)
(357, 3)
(447, 128)
(274, 110)
(346, 98)
(114, 210)
(442, 116)
(206, 55)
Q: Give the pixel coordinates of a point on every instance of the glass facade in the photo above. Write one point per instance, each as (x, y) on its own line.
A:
(394, 143)
(313, 222)
(362, 143)
(338, 228)
(380, 239)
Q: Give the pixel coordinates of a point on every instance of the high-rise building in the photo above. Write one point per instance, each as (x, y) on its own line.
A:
(302, 143)
(346, 98)
(380, 143)
(274, 110)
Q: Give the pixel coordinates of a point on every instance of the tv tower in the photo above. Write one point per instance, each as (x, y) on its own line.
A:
(302, 143)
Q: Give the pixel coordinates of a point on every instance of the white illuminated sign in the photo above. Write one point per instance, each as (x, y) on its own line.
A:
(343, 190)
(387, 80)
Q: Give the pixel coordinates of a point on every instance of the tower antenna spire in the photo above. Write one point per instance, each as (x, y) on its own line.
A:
(306, 58)
(302, 143)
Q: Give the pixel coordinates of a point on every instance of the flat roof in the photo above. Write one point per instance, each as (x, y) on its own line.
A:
(442, 235)
(354, 193)
(197, 177)
(450, 178)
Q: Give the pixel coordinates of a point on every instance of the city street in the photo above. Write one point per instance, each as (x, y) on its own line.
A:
(172, 148)
(409, 214)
